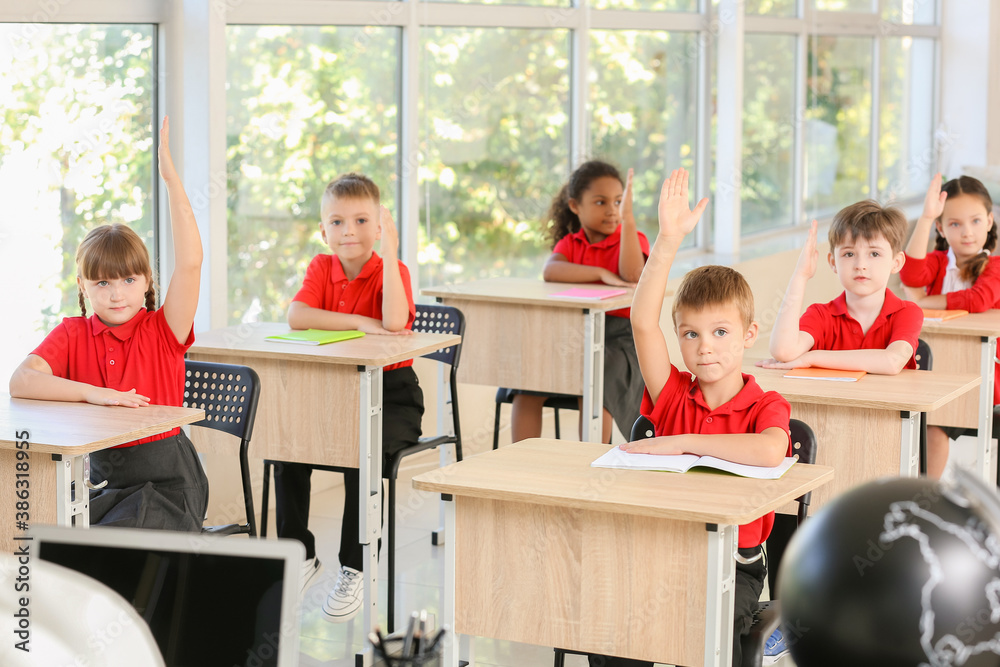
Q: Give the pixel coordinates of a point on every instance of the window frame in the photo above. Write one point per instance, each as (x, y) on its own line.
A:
(191, 41)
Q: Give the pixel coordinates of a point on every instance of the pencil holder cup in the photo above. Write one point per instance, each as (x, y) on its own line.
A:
(393, 656)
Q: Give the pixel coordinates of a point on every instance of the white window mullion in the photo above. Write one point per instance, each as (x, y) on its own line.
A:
(579, 86)
(729, 142)
(798, 123)
(191, 85)
(409, 148)
(876, 124)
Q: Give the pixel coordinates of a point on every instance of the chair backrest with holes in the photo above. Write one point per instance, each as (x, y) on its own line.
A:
(226, 392)
(923, 356)
(441, 319)
(642, 429)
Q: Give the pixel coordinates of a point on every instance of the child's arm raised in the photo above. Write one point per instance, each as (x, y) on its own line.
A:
(34, 379)
(676, 221)
(787, 340)
(630, 257)
(181, 299)
(395, 305)
(753, 449)
(934, 200)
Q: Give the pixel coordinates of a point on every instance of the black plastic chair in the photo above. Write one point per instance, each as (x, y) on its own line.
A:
(768, 616)
(429, 319)
(228, 394)
(925, 362)
(555, 401)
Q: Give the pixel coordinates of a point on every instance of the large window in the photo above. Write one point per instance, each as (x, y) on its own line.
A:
(304, 104)
(838, 123)
(76, 152)
(643, 109)
(495, 148)
(768, 132)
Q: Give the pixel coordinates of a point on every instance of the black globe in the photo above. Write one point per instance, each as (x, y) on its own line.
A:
(896, 572)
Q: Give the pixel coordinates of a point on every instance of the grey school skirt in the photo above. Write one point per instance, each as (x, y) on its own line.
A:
(159, 485)
(622, 380)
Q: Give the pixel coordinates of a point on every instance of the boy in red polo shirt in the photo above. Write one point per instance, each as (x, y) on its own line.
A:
(716, 409)
(867, 328)
(353, 288)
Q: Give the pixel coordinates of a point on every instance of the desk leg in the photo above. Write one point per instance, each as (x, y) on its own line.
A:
(986, 371)
(593, 376)
(72, 494)
(721, 600)
(446, 425)
(451, 640)
(370, 506)
(909, 444)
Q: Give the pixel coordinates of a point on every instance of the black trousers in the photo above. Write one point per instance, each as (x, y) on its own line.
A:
(402, 411)
(749, 584)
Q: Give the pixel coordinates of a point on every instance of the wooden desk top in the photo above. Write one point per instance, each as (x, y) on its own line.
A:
(917, 391)
(248, 340)
(973, 324)
(81, 428)
(558, 472)
(528, 292)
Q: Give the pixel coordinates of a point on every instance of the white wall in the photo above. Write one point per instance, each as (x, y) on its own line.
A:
(965, 78)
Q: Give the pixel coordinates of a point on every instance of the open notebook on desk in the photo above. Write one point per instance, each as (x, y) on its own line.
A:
(617, 458)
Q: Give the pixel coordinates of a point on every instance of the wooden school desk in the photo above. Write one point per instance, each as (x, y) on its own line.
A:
(869, 428)
(548, 550)
(518, 335)
(61, 436)
(319, 404)
(967, 345)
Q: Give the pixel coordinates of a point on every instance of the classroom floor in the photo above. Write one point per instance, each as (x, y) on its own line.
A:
(419, 576)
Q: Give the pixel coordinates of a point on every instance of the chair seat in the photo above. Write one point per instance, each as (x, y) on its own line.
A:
(557, 401)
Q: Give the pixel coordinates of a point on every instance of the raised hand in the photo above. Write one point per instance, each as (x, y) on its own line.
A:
(625, 207)
(389, 235)
(676, 217)
(167, 171)
(809, 258)
(934, 199)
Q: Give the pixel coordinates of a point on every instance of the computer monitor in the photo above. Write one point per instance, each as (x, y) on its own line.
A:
(208, 600)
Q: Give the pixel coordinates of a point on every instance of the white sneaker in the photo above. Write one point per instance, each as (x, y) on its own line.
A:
(345, 600)
(311, 567)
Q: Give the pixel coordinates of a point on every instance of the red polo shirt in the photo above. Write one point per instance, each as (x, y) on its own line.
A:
(681, 409)
(832, 327)
(327, 287)
(577, 249)
(142, 354)
(982, 296)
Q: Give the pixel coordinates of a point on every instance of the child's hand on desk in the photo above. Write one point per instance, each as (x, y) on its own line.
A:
(370, 325)
(665, 445)
(801, 362)
(613, 279)
(676, 217)
(389, 235)
(105, 396)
